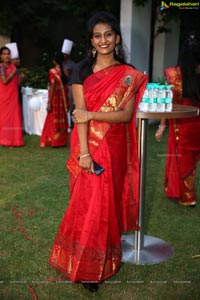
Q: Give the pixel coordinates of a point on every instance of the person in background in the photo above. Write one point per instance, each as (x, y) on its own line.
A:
(15, 60)
(21, 76)
(11, 131)
(68, 66)
(103, 164)
(183, 151)
(54, 133)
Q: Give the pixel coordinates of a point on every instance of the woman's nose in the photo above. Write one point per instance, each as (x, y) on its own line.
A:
(103, 38)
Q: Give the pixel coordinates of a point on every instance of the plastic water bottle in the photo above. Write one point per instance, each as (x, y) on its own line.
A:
(169, 97)
(150, 92)
(152, 87)
(145, 101)
(161, 98)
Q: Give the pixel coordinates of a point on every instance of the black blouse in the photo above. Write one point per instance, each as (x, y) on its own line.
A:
(81, 71)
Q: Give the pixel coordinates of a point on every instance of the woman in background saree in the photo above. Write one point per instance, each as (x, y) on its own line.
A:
(11, 132)
(54, 133)
(183, 151)
(107, 92)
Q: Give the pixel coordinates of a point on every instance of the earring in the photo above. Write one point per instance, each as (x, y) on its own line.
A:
(116, 50)
(94, 51)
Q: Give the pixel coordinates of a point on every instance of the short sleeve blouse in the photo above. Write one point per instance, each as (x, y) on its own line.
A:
(81, 71)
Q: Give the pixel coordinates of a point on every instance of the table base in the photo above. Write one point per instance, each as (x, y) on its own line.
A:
(155, 250)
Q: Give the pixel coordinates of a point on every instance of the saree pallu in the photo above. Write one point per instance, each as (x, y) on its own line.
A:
(55, 128)
(183, 150)
(11, 131)
(88, 243)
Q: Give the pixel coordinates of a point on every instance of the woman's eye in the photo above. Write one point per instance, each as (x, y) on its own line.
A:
(109, 34)
(97, 36)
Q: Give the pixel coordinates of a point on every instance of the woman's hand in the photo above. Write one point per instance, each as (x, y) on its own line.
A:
(87, 164)
(21, 77)
(49, 107)
(80, 115)
(159, 132)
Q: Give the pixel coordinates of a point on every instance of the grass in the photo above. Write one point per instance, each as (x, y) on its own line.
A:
(34, 195)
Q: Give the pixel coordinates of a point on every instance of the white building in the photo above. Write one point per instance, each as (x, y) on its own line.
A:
(136, 31)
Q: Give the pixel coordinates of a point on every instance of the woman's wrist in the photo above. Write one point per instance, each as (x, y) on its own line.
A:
(89, 116)
(161, 128)
(84, 151)
(83, 155)
(10, 77)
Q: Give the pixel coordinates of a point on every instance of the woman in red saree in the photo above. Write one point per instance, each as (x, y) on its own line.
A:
(183, 151)
(107, 92)
(54, 133)
(11, 132)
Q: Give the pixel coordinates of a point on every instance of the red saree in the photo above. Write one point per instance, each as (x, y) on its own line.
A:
(183, 150)
(88, 243)
(11, 132)
(54, 132)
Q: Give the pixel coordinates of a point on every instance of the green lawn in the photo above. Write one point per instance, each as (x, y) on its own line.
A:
(34, 195)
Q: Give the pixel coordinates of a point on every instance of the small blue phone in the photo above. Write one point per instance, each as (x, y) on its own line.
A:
(97, 168)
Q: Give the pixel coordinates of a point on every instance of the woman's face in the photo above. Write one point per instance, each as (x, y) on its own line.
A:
(5, 56)
(104, 39)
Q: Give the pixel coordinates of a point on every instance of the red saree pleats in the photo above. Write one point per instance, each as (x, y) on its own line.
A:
(183, 150)
(11, 131)
(52, 136)
(88, 243)
(85, 247)
(55, 128)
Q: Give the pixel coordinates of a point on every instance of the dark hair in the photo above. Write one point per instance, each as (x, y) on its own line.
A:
(111, 20)
(58, 57)
(4, 48)
(106, 18)
(189, 60)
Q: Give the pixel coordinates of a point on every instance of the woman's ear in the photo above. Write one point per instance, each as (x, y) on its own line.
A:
(117, 39)
(91, 40)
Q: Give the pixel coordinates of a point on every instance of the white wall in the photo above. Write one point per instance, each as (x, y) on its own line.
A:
(126, 12)
(166, 48)
(135, 27)
(141, 37)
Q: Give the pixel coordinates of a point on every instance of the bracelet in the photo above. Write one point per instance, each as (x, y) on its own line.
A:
(84, 155)
(162, 126)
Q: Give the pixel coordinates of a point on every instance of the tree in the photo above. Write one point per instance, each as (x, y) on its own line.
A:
(23, 13)
(32, 20)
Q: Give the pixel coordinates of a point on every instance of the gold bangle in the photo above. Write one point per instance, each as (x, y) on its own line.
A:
(84, 155)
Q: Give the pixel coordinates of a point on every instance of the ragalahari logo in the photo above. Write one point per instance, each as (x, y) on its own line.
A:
(179, 5)
(164, 5)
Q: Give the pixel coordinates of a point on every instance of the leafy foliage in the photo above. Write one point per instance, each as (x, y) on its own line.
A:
(36, 77)
(26, 13)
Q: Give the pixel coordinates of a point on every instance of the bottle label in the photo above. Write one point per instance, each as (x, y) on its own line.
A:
(168, 100)
(161, 100)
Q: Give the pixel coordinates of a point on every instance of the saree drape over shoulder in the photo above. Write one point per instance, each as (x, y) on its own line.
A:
(11, 131)
(183, 150)
(88, 243)
(55, 128)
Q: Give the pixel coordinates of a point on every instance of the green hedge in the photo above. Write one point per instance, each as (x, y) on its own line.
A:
(36, 77)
